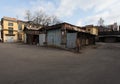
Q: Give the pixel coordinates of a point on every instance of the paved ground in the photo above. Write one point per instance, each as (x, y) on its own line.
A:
(23, 64)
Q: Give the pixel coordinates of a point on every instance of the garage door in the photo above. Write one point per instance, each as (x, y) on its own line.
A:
(71, 40)
(54, 37)
(10, 39)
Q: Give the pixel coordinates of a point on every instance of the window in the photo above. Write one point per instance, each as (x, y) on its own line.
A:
(19, 26)
(10, 30)
(10, 24)
(89, 30)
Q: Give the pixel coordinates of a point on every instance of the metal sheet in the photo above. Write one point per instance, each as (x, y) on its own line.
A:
(54, 37)
(41, 39)
(71, 40)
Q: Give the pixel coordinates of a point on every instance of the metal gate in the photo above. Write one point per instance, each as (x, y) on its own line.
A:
(71, 40)
(54, 37)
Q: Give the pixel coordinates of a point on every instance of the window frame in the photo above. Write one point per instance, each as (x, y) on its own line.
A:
(19, 26)
(10, 24)
(10, 30)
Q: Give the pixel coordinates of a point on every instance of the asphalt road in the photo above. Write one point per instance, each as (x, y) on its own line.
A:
(25, 64)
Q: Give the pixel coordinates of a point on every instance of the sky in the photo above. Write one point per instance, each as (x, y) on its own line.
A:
(76, 12)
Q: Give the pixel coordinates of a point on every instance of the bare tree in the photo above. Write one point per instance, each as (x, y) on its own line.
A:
(54, 20)
(41, 18)
(28, 15)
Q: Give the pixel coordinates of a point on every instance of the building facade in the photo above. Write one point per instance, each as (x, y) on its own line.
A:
(63, 35)
(0, 31)
(33, 33)
(12, 30)
(109, 33)
(69, 36)
(91, 29)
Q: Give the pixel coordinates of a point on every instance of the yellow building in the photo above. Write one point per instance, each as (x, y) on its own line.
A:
(0, 30)
(12, 30)
(92, 29)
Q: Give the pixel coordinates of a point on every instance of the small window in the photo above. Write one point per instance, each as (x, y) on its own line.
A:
(10, 24)
(10, 30)
(88, 29)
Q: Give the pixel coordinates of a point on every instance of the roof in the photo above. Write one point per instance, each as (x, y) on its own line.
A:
(22, 21)
(73, 27)
(89, 26)
(33, 28)
(12, 19)
(66, 26)
(9, 18)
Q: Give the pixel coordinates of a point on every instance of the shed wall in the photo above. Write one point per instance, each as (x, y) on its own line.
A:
(41, 39)
(54, 37)
(71, 40)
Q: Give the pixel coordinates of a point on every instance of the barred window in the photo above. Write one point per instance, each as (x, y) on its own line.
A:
(10, 24)
(10, 30)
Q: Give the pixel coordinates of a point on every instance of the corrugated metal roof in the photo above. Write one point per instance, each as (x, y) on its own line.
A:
(66, 26)
(73, 27)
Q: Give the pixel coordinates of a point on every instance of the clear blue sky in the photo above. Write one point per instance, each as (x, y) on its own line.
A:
(77, 12)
